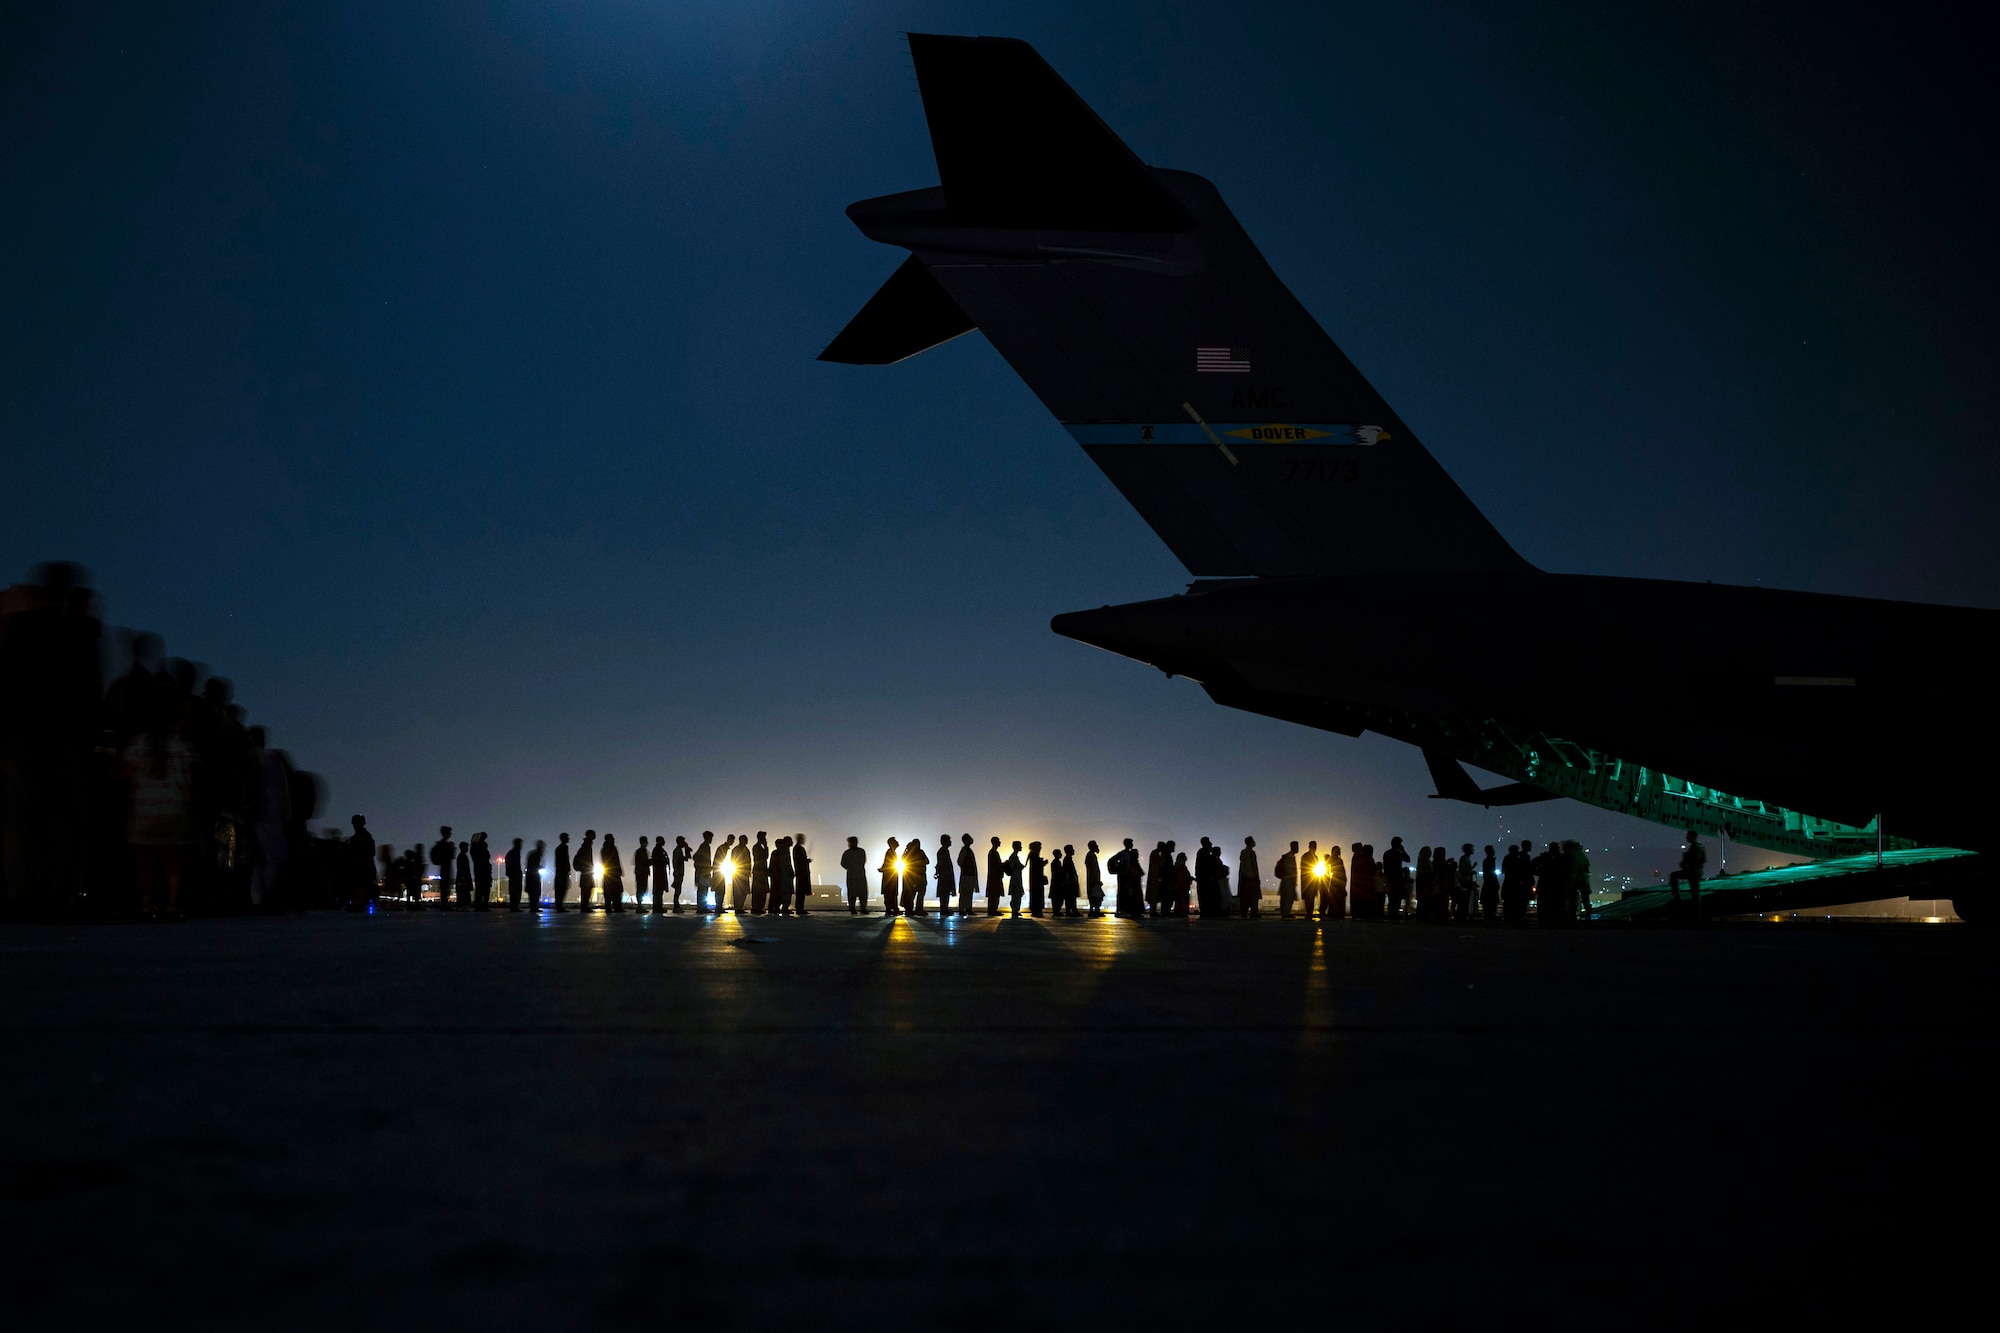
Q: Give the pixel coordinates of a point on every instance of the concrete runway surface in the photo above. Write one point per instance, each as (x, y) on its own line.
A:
(424, 1120)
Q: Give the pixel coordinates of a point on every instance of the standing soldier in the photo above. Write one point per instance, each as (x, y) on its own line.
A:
(947, 876)
(1249, 883)
(534, 886)
(1288, 880)
(968, 875)
(514, 876)
(563, 866)
(854, 862)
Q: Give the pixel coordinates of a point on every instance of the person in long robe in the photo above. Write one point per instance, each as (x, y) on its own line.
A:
(892, 879)
(802, 875)
(614, 875)
(536, 859)
(1038, 878)
(968, 875)
(1333, 898)
(1072, 882)
(1093, 880)
(946, 873)
(724, 871)
(1157, 874)
(1183, 884)
(739, 894)
(1012, 867)
(760, 874)
(642, 875)
(995, 874)
(1288, 879)
(562, 869)
(1126, 870)
(462, 885)
(683, 856)
(703, 861)
(1249, 883)
(779, 867)
(1311, 876)
(659, 862)
(916, 877)
(586, 869)
(1207, 863)
(854, 865)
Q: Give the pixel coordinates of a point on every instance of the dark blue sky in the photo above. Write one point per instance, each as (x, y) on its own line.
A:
(444, 375)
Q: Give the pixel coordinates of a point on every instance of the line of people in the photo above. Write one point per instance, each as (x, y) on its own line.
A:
(763, 877)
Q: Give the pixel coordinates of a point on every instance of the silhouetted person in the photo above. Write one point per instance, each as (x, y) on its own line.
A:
(360, 865)
(159, 786)
(444, 855)
(778, 899)
(802, 877)
(994, 875)
(537, 857)
(1038, 878)
(1288, 880)
(642, 875)
(1249, 882)
(461, 883)
(1012, 867)
(1125, 869)
(562, 866)
(704, 871)
(1183, 883)
(1489, 888)
(512, 868)
(586, 870)
(482, 873)
(682, 854)
(1516, 882)
(272, 825)
(945, 871)
(1333, 898)
(760, 874)
(739, 882)
(968, 875)
(723, 872)
(892, 878)
(916, 877)
(1157, 873)
(1312, 874)
(1093, 879)
(854, 865)
(614, 875)
(1208, 879)
(657, 863)
(1396, 866)
(1694, 861)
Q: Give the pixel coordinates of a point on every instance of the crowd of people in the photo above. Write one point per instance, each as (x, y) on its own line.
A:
(764, 877)
(153, 793)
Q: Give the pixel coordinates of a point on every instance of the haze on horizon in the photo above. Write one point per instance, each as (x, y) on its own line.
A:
(446, 379)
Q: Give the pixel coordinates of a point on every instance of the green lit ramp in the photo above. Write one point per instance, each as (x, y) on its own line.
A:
(1915, 872)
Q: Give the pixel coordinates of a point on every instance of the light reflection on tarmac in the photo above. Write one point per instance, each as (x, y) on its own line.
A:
(845, 1122)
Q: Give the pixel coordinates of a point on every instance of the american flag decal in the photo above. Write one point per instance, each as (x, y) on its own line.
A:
(1222, 360)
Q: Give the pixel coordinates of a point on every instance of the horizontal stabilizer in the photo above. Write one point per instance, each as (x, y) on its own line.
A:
(1455, 784)
(1016, 147)
(910, 314)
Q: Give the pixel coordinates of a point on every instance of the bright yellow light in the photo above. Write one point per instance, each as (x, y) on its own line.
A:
(1319, 869)
(899, 865)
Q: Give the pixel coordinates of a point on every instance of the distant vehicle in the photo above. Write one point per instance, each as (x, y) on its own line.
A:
(1338, 568)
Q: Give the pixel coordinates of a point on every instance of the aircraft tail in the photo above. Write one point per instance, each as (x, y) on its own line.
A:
(1134, 305)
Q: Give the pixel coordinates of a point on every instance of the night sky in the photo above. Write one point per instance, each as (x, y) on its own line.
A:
(444, 375)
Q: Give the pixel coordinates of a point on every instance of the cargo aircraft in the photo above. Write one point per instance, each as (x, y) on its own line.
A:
(1135, 307)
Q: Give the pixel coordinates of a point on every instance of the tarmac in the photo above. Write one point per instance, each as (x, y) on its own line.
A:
(501, 1121)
